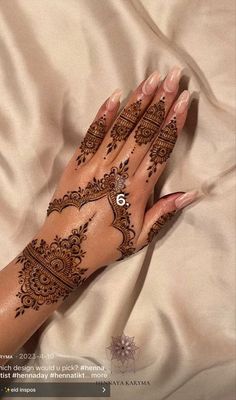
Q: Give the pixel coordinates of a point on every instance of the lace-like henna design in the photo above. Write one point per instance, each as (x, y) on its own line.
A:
(125, 124)
(110, 185)
(122, 222)
(51, 271)
(163, 146)
(150, 123)
(92, 139)
(156, 227)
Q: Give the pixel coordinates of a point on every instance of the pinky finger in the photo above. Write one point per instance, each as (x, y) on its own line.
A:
(98, 129)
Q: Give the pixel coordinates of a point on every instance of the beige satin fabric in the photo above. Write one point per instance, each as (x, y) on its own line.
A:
(59, 60)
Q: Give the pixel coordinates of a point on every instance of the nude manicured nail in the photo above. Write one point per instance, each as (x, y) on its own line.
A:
(170, 196)
(113, 100)
(172, 80)
(182, 102)
(186, 199)
(150, 85)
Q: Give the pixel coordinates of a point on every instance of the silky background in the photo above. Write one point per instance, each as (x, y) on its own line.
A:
(59, 60)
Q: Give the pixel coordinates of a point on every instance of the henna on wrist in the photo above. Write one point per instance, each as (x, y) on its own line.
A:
(51, 271)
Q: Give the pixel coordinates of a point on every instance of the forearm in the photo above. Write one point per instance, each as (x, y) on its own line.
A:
(35, 284)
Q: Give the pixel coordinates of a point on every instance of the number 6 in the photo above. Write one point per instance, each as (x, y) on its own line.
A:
(120, 199)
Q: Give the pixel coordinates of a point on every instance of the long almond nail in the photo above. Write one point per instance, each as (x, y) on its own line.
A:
(186, 199)
(170, 196)
(113, 100)
(172, 80)
(182, 102)
(150, 85)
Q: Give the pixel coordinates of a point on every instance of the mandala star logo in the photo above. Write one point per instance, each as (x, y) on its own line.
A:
(123, 348)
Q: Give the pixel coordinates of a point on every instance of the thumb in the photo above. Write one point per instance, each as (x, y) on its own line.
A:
(162, 211)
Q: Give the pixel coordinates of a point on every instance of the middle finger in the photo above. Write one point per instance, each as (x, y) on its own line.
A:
(140, 140)
(128, 119)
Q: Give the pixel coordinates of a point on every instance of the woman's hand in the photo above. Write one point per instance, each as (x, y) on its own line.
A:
(98, 212)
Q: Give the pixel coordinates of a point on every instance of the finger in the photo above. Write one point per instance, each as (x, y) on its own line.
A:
(155, 160)
(149, 125)
(97, 130)
(157, 216)
(129, 117)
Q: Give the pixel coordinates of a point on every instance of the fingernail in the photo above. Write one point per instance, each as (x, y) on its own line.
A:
(113, 100)
(182, 102)
(172, 80)
(170, 195)
(151, 83)
(186, 199)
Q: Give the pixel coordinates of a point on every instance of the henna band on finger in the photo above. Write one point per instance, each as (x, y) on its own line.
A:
(92, 139)
(125, 124)
(150, 123)
(163, 146)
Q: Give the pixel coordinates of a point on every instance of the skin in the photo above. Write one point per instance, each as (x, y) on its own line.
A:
(96, 220)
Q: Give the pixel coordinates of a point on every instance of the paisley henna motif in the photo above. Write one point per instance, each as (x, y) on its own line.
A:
(51, 271)
(111, 185)
(92, 139)
(163, 146)
(156, 227)
(150, 123)
(125, 124)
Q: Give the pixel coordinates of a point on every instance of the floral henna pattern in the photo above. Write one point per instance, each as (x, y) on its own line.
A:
(125, 124)
(156, 227)
(51, 271)
(163, 146)
(92, 139)
(95, 190)
(111, 185)
(150, 123)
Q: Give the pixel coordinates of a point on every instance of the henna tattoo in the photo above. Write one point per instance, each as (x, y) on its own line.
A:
(51, 271)
(111, 185)
(156, 227)
(95, 190)
(125, 124)
(122, 222)
(92, 139)
(163, 146)
(150, 123)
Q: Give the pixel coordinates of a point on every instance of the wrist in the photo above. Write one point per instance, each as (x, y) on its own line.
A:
(50, 268)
